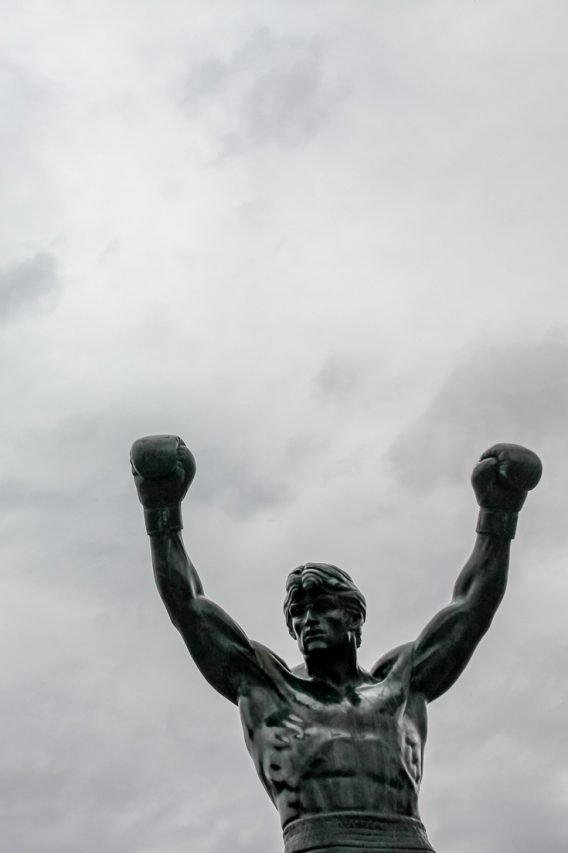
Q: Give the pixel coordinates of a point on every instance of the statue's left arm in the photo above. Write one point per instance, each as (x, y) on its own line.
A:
(501, 480)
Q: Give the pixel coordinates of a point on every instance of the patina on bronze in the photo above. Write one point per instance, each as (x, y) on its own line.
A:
(338, 749)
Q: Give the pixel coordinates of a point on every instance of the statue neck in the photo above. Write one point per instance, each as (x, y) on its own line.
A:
(336, 666)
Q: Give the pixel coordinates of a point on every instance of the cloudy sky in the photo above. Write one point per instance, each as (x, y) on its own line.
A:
(325, 242)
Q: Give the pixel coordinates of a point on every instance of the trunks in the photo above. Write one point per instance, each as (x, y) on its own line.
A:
(356, 831)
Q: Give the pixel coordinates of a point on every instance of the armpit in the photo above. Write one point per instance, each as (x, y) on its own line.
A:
(397, 657)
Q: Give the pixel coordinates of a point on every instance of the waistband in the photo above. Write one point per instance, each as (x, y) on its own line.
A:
(355, 829)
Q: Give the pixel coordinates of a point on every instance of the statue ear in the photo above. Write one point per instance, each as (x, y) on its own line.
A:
(355, 624)
(353, 620)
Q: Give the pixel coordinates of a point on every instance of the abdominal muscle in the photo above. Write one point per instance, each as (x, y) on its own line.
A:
(339, 788)
(319, 760)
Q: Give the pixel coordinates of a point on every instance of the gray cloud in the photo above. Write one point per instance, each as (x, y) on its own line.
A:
(274, 90)
(28, 285)
(29, 108)
(349, 380)
(515, 392)
(341, 377)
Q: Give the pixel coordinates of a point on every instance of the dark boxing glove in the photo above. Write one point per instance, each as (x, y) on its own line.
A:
(163, 468)
(501, 480)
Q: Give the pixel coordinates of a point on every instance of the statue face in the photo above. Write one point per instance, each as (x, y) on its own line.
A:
(320, 622)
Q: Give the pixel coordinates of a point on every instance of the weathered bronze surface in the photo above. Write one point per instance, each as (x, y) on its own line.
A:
(339, 750)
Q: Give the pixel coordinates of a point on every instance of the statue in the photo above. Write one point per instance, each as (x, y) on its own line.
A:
(338, 749)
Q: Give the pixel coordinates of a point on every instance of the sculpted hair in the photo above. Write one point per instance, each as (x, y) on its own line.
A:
(331, 580)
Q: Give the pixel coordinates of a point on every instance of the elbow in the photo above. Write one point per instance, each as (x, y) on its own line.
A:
(182, 606)
(176, 597)
(481, 619)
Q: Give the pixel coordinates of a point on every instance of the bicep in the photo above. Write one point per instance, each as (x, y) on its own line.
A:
(445, 646)
(220, 648)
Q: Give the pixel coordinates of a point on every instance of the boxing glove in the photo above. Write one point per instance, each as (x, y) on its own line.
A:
(163, 469)
(501, 480)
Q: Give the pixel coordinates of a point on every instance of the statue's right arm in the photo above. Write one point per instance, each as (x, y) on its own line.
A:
(163, 468)
(219, 647)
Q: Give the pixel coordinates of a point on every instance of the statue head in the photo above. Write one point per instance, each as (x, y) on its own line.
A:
(324, 590)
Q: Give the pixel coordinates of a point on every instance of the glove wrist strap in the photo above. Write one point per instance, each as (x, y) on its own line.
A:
(496, 522)
(162, 519)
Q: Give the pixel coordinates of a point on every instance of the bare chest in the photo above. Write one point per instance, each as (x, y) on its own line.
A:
(354, 752)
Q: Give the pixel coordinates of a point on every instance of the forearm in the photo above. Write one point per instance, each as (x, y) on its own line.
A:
(483, 579)
(176, 578)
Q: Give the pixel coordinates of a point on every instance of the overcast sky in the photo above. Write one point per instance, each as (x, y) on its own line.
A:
(325, 242)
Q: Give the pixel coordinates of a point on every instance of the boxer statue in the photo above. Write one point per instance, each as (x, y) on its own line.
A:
(338, 749)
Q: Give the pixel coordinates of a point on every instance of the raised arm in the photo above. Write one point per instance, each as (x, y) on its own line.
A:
(163, 469)
(501, 480)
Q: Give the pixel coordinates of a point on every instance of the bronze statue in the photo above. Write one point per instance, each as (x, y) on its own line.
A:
(338, 749)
